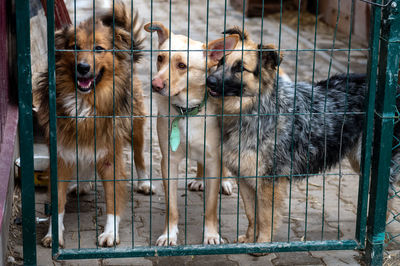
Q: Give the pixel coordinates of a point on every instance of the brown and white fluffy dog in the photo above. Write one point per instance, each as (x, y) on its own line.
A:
(180, 85)
(105, 87)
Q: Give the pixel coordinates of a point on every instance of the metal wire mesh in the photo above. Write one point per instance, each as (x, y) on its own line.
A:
(297, 53)
(393, 216)
(320, 211)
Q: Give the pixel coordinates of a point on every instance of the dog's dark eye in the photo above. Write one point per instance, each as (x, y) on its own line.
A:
(238, 66)
(221, 62)
(99, 48)
(160, 58)
(72, 47)
(181, 66)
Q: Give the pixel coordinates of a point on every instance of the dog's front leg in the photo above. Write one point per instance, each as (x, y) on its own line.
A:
(247, 193)
(113, 190)
(270, 200)
(144, 184)
(64, 174)
(211, 235)
(170, 185)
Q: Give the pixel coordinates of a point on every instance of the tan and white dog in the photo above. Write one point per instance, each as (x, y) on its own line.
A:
(180, 85)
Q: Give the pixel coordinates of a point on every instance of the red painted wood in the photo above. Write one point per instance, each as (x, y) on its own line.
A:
(3, 68)
(7, 151)
(61, 15)
(8, 115)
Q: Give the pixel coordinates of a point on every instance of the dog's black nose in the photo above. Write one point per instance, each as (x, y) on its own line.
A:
(212, 82)
(83, 68)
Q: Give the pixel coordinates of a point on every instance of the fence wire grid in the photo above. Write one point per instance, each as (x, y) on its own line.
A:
(321, 212)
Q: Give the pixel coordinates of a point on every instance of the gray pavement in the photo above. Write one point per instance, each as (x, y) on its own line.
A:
(329, 212)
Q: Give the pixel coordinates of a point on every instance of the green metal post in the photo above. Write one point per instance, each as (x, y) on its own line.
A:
(383, 133)
(368, 125)
(53, 125)
(26, 131)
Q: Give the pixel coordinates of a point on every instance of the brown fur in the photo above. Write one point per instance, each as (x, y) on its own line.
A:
(109, 134)
(270, 195)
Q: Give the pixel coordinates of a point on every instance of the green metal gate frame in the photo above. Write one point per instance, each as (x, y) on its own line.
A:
(381, 115)
(385, 108)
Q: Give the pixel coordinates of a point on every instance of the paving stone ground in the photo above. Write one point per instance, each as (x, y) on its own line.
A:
(331, 205)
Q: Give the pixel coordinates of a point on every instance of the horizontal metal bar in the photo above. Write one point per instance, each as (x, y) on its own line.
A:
(376, 4)
(215, 50)
(83, 179)
(386, 116)
(212, 115)
(66, 254)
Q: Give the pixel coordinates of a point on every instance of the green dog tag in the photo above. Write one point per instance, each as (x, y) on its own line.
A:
(175, 137)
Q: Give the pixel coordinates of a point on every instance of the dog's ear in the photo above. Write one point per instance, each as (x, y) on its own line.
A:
(122, 39)
(61, 38)
(216, 48)
(271, 58)
(118, 16)
(162, 31)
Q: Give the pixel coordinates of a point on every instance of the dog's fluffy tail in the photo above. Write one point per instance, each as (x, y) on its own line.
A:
(128, 19)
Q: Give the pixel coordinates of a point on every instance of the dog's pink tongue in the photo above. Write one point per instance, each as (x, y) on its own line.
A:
(85, 83)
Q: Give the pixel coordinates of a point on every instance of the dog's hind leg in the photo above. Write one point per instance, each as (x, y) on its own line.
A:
(247, 193)
(354, 157)
(197, 184)
(115, 190)
(226, 184)
(144, 185)
(270, 203)
(64, 174)
(170, 184)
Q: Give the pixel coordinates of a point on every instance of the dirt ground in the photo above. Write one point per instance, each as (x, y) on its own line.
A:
(329, 212)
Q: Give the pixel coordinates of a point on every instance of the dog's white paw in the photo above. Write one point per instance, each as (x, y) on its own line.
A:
(47, 239)
(227, 187)
(245, 239)
(145, 187)
(212, 239)
(196, 185)
(107, 239)
(170, 239)
(164, 241)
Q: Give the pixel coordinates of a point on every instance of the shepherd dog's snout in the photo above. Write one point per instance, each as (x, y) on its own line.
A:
(212, 82)
(157, 84)
(83, 68)
(213, 85)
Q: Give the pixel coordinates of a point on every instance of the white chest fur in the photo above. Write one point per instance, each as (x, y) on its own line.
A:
(200, 134)
(76, 106)
(84, 156)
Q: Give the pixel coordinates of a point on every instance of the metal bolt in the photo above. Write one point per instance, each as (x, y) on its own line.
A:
(394, 5)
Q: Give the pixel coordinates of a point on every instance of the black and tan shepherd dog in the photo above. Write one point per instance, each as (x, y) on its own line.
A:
(304, 129)
(105, 88)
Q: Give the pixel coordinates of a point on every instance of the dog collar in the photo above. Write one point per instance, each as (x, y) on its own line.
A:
(175, 136)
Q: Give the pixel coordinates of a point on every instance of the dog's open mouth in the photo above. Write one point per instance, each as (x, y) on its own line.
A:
(86, 84)
(214, 93)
